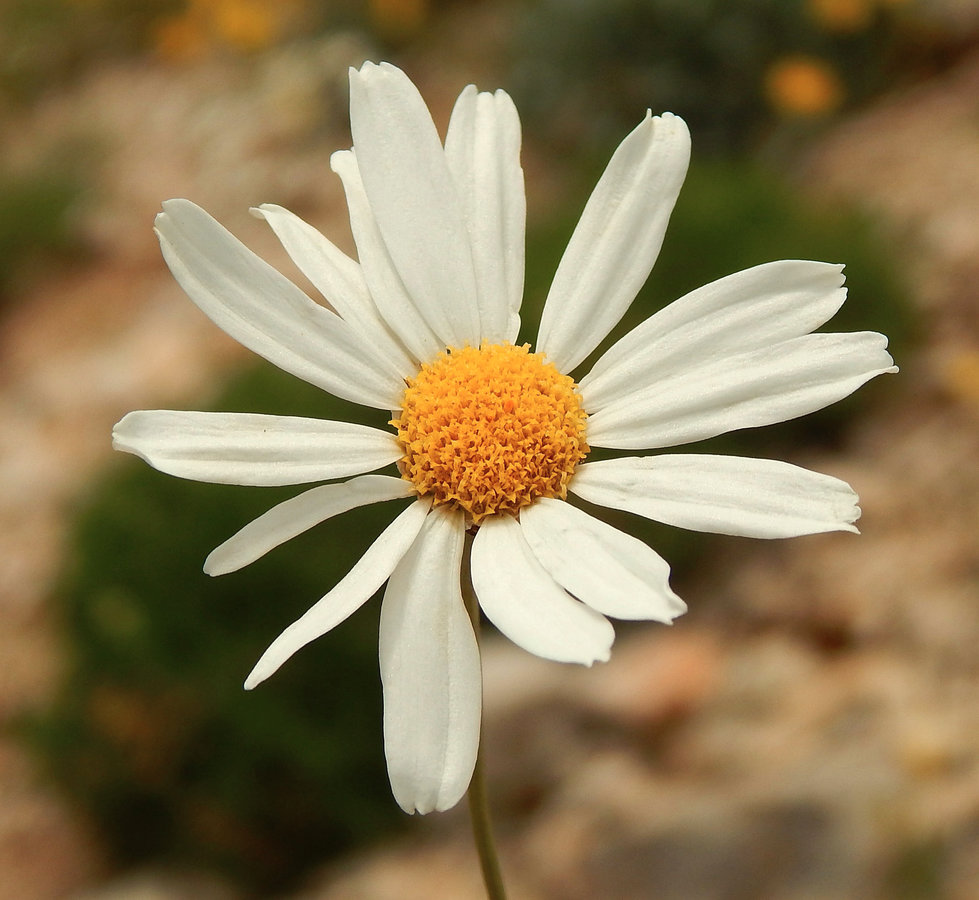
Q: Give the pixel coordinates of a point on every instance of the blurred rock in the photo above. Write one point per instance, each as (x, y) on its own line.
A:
(45, 852)
(163, 885)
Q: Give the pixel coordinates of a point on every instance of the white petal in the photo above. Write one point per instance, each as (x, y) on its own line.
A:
(338, 278)
(521, 599)
(414, 199)
(771, 384)
(246, 448)
(612, 572)
(350, 593)
(389, 293)
(482, 148)
(261, 309)
(298, 514)
(755, 308)
(616, 242)
(761, 498)
(430, 671)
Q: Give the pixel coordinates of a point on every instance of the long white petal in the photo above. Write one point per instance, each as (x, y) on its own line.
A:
(391, 296)
(261, 309)
(430, 671)
(350, 593)
(771, 384)
(755, 308)
(760, 498)
(617, 240)
(298, 514)
(338, 278)
(482, 148)
(521, 599)
(247, 448)
(414, 199)
(611, 571)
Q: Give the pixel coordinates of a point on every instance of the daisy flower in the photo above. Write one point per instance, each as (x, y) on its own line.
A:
(489, 438)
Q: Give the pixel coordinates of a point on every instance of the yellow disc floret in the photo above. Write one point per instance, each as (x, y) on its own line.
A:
(490, 429)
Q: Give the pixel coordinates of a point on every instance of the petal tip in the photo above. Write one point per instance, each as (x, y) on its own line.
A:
(175, 205)
(339, 159)
(212, 566)
(122, 436)
(602, 657)
(254, 679)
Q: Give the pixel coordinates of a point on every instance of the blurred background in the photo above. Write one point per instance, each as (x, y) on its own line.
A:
(810, 729)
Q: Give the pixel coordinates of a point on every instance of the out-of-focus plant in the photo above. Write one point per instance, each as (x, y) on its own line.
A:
(399, 19)
(803, 86)
(46, 43)
(200, 27)
(731, 68)
(36, 216)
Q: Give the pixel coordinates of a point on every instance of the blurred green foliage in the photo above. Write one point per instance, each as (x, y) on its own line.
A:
(36, 216)
(917, 870)
(48, 43)
(589, 68)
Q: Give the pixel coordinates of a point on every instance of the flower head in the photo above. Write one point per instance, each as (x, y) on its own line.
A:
(489, 437)
(803, 86)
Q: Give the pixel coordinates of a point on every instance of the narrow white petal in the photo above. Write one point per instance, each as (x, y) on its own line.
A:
(617, 240)
(298, 514)
(350, 593)
(755, 308)
(391, 296)
(261, 309)
(761, 498)
(247, 448)
(430, 671)
(482, 148)
(521, 599)
(414, 199)
(339, 279)
(611, 571)
(771, 384)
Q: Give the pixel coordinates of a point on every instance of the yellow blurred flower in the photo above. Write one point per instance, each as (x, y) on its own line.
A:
(803, 86)
(180, 38)
(206, 25)
(399, 18)
(841, 15)
(247, 24)
(961, 376)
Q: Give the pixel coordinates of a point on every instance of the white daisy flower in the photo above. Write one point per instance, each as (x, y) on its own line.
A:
(489, 437)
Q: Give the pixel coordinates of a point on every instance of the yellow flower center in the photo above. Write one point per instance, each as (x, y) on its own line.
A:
(490, 429)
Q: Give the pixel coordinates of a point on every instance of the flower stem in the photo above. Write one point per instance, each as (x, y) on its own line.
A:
(478, 797)
(483, 835)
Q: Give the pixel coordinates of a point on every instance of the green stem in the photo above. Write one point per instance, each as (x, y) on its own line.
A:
(478, 797)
